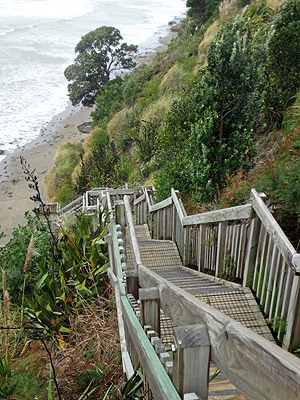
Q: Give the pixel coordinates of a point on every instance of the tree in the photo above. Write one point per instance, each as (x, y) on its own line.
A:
(283, 65)
(210, 132)
(99, 54)
(222, 139)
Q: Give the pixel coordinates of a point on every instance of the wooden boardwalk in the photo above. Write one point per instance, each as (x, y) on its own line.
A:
(237, 302)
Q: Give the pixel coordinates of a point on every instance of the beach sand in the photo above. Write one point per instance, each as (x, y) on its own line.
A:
(14, 191)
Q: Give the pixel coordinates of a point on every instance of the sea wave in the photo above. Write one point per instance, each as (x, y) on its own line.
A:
(32, 83)
(66, 9)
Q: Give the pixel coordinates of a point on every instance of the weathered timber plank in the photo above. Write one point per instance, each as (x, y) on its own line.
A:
(258, 368)
(177, 204)
(163, 204)
(226, 214)
(277, 234)
(127, 365)
(160, 383)
(139, 199)
(132, 236)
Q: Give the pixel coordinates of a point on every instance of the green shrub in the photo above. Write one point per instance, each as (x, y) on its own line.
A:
(131, 89)
(283, 66)
(66, 195)
(13, 256)
(109, 100)
(67, 157)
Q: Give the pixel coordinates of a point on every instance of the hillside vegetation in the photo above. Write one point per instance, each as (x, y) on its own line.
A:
(212, 116)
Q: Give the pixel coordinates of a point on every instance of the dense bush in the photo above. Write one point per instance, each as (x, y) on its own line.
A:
(13, 256)
(67, 157)
(210, 131)
(283, 65)
(108, 100)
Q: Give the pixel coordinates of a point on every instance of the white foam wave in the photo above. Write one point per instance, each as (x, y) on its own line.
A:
(66, 9)
(32, 85)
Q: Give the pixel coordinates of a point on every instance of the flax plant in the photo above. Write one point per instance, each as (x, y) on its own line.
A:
(5, 312)
(31, 251)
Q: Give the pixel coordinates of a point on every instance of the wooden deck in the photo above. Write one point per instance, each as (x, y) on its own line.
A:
(237, 302)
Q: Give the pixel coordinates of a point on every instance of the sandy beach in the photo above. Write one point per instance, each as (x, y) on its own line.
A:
(14, 191)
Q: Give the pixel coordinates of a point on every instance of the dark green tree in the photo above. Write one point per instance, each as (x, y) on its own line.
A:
(203, 8)
(222, 140)
(108, 100)
(210, 132)
(99, 54)
(283, 65)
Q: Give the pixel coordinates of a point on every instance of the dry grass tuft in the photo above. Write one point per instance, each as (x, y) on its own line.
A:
(206, 42)
(158, 109)
(66, 158)
(119, 126)
(94, 343)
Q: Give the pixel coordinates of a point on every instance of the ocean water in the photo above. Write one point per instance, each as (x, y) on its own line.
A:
(37, 40)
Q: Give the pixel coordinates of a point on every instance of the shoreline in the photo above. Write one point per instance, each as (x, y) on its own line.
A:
(39, 153)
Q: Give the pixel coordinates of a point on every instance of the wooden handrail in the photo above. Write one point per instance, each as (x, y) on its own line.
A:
(226, 214)
(277, 234)
(132, 235)
(139, 199)
(258, 368)
(71, 205)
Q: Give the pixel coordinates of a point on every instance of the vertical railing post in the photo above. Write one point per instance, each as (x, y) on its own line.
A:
(291, 339)
(185, 255)
(191, 360)
(150, 308)
(174, 223)
(220, 247)
(251, 253)
(120, 214)
(252, 248)
(132, 286)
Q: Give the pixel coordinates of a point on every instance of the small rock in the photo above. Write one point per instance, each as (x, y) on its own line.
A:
(86, 127)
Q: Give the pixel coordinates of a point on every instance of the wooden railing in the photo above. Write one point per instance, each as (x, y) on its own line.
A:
(257, 367)
(242, 243)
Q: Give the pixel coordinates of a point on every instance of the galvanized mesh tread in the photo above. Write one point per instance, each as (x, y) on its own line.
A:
(163, 257)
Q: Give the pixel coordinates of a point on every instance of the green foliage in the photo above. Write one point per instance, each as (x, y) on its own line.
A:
(131, 90)
(279, 324)
(150, 92)
(297, 352)
(204, 8)
(19, 379)
(108, 100)
(146, 143)
(133, 384)
(103, 159)
(212, 126)
(278, 178)
(229, 268)
(99, 54)
(13, 256)
(255, 16)
(283, 66)
(77, 277)
(60, 175)
(66, 195)
(93, 378)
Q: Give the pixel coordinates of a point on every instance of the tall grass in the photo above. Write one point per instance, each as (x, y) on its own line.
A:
(67, 157)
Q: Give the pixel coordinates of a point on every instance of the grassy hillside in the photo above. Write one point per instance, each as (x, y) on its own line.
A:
(203, 114)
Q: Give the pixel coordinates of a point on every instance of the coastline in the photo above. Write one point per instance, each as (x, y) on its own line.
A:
(39, 153)
(14, 191)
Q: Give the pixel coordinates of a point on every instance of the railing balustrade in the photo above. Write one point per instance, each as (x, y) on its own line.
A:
(244, 244)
